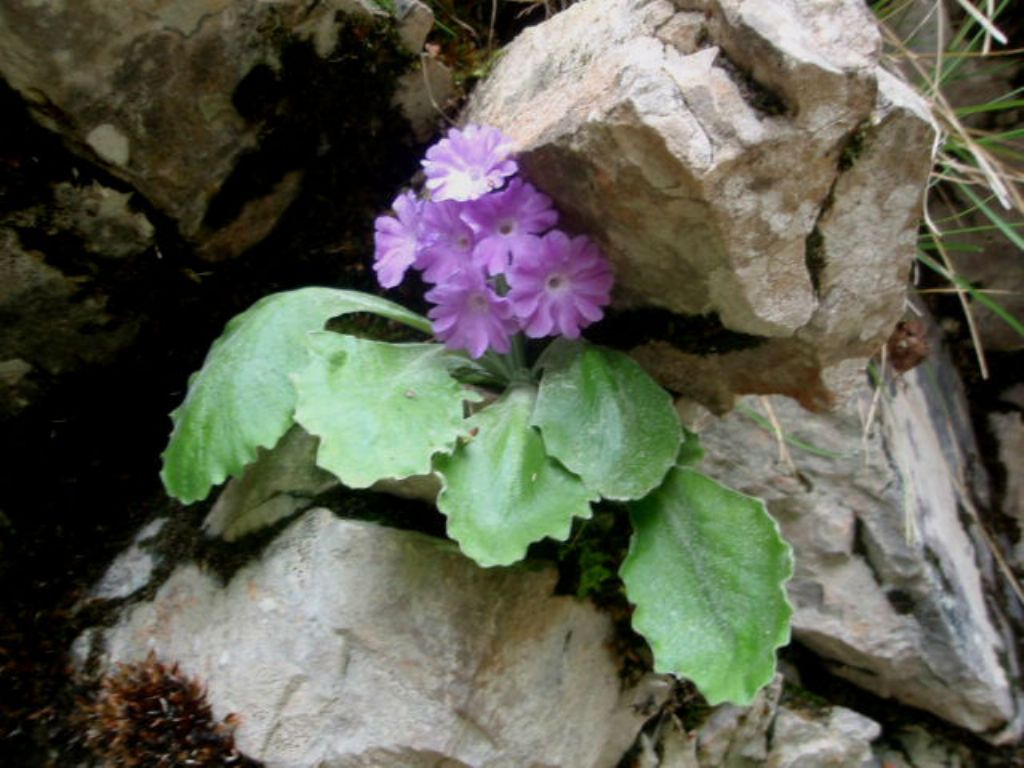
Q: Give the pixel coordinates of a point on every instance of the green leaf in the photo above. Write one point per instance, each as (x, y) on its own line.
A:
(706, 570)
(501, 491)
(691, 452)
(992, 106)
(381, 410)
(605, 419)
(242, 398)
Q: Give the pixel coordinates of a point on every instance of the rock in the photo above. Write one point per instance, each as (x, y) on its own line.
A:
(51, 321)
(866, 238)
(893, 572)
(780, 735)
(1008, 431)
(158, 94)
(279, 483)
(256, 219)
(13, 371)
(832, 736)
(422, 95)
(1014, 396)
(55, 318)
(183, 103)
(287, 480)
(738, 734)
(132, 569)
(747, 164)
(914, 747)
(351, 644)
(415, 21)
(16, 390)
(101, 218)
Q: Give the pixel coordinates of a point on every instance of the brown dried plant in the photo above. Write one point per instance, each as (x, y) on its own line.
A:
(150, 714)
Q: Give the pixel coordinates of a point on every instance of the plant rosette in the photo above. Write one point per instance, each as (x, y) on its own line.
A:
(569, 423)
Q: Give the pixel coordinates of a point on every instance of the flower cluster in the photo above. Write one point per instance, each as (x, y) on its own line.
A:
(484, 239)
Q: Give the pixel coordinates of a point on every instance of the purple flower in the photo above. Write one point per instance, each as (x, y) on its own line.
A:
(507, 223)
(561, 289)
(469, 315)
(396, 240)
(468, 163)
(447, 241)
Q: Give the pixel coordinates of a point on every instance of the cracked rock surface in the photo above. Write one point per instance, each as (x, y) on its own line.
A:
(746, 161)
(350, 644)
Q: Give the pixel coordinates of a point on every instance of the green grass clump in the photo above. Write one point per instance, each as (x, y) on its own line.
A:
(979, 161)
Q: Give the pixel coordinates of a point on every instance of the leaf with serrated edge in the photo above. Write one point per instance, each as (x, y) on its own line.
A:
(501, 491)
(606, 420)
(381, 410)
(242, 398)
(706, 570)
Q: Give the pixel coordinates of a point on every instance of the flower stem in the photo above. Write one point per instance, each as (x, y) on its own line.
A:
(517, 361)
(497, 365)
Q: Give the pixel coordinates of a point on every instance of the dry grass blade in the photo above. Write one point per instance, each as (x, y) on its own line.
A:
(430, 91)
(876, 397)
(986, 23)
(780, 436)
(990, 168)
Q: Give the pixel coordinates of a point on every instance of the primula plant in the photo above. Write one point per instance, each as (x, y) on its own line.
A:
(523, 422)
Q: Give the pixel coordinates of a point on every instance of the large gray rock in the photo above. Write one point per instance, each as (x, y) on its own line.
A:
(348, 644)
(745, 160)
(893, 573)
(150, 91)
